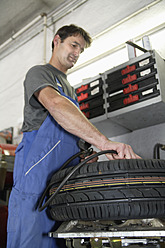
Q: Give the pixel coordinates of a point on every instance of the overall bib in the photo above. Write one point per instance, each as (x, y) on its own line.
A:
(38, 156)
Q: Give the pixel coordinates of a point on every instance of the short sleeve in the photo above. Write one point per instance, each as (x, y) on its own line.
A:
(36, 79)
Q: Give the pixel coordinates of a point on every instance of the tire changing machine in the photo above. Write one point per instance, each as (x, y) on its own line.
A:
(115, 234)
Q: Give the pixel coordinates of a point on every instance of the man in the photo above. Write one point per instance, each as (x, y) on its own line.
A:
(52, 127)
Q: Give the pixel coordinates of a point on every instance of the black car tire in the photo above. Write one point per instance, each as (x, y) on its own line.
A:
(110, 190)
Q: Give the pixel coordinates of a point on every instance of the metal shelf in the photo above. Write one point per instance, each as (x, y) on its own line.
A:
(137, 115)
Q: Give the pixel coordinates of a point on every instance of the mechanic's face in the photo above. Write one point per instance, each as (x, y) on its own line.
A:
(68, 52)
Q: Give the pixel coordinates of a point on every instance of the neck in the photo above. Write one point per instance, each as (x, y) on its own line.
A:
(57, 65)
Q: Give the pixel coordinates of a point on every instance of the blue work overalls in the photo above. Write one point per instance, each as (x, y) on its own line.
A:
(38, 156)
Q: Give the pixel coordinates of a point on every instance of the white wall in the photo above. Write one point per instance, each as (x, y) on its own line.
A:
(111, 44)
(142, 140)
(13, 69)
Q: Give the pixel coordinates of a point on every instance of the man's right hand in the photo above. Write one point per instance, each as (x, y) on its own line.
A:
(124, 151)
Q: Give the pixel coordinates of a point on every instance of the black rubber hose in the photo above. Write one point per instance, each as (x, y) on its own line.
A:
(75, 156)
(85, 150)
(157, 148)
(62, 167)
(40, 207)
(70, 159)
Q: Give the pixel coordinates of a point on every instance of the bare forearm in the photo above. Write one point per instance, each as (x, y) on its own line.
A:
(74, 121)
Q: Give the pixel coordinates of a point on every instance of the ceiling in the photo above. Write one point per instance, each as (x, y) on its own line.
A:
(16, 14)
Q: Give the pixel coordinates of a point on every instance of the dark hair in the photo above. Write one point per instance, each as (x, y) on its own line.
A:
(73, 30)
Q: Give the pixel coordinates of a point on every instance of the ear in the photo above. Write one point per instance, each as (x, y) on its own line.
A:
(56, 40)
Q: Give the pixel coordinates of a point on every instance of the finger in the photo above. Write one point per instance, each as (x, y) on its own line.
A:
(119, 155)
(125, 152)
(93, 160)
(138, 157)
(110, 156)
(129, 154)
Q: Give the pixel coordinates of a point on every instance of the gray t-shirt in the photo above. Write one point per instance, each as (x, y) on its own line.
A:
(39, 77)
